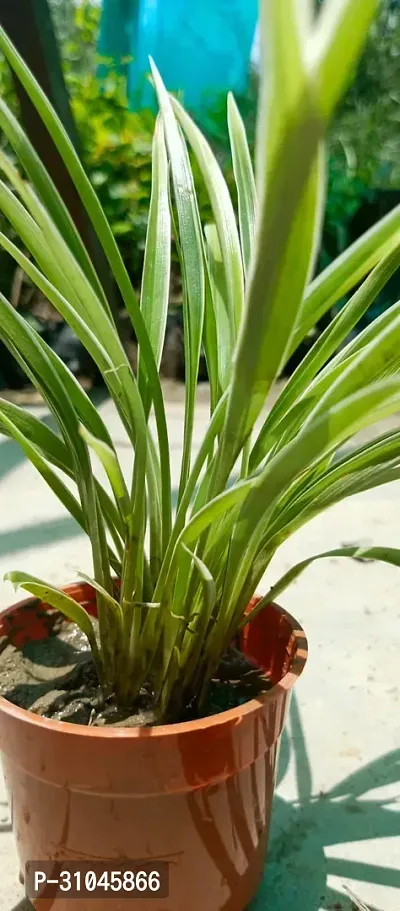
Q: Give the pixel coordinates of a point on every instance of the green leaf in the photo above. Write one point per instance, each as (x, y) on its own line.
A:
(210, 342)
(110, 463)
(375, 452)
(29, 232)
(244, 177)
(373, 355)
(385, 554)
(108, 243)
(273, 438)
(377, 360)
(204, 453)
(197, 524)
(345, 272)
(192, 259)
(85, 409)
(325, 346)
(111, 368)
(368, 335)
(223, 212)
(306, 500)
(19, 336)
(47, 192)
(289, 182)
(224, 337)
(192, 626)
(320, 436)
(60, 601)
(37, 432)
(57, 486)
(112, 603)
(156, 268)
(54, 450)
(69, 156)
(208, 585)
(111, 359)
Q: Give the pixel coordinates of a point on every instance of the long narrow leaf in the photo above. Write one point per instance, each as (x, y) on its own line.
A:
(223, 213)
(37, 432)
(156, 268)
(192, 258)
(385, 554)
(110, 463)
(210, 342)
(326, 491)
(189, 631)
(59, 601)
(113, 604)
(224, 338)
(117, 373)
(54, 450)
(244, 177)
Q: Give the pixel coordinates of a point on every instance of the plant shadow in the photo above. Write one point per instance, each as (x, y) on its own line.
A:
(296, 875)
(37, 534)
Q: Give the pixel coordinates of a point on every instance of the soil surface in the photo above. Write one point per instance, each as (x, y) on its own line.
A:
(56, 678)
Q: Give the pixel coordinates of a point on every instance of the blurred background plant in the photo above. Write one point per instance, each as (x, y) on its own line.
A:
(364, 143)
(115, 144)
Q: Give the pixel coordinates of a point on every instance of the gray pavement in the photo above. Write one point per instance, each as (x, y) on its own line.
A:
(337, 809)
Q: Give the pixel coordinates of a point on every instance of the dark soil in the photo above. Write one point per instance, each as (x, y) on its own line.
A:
(56, 678)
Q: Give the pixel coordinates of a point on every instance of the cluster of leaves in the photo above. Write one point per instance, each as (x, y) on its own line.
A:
(185, 580)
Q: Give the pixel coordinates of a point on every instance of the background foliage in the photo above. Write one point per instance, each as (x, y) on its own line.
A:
(364, 162)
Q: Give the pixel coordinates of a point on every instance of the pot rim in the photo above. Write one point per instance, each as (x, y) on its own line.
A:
(228, 717)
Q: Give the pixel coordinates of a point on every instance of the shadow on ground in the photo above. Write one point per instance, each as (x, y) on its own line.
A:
(297, 872)
(37, 534)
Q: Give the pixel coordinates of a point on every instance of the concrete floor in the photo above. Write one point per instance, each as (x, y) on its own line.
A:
(337, 819)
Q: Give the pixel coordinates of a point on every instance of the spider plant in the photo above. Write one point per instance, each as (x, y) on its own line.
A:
(250, 297)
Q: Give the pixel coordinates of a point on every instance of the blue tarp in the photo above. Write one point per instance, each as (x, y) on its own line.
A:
(202, 48)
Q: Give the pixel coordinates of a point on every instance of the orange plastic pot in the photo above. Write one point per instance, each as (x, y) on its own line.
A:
(197, 795)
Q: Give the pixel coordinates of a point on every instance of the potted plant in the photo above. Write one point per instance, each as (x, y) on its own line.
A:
(175, 629)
